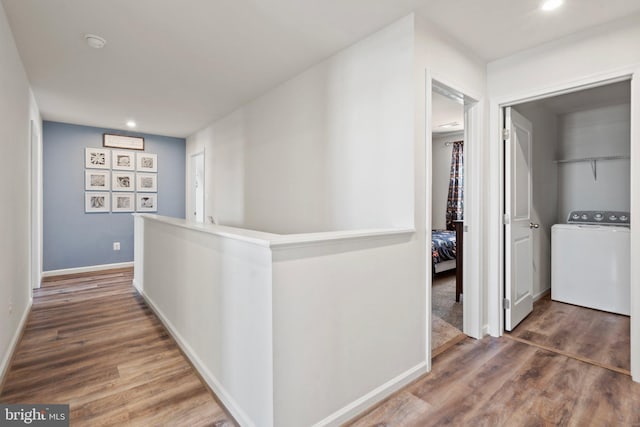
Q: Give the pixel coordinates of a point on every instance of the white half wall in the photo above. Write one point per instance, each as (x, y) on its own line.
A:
(288, 330)
(17, 110)
(214, 295)
(338, 309)
(330, 149)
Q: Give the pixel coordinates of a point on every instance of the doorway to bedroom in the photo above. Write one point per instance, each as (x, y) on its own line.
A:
(447, 216)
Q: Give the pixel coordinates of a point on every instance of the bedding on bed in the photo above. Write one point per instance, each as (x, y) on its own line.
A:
(443, 245)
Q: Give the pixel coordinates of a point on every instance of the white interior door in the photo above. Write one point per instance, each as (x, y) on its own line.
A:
(518, 225)
(197, 187)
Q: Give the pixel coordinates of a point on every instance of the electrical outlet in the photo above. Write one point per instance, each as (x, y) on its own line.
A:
(116, 246)
(10, 307)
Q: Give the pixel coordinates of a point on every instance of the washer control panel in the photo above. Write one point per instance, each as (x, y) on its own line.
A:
(599, 217)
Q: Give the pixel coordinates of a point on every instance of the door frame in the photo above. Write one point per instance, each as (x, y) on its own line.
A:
(191, 176)
(472, 265)
(35, 204)
(495, 253)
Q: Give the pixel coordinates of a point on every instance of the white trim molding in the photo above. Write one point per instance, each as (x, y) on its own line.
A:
(87, 269)
(374, 396)
(6, 361)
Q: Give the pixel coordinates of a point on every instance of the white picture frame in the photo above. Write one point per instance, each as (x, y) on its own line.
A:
(123, 202)
(146, 182)
(97, 180)
(97, 202)
(123, 160)
(147, 202)
(122, 181)
(97, 158)
(123, 141)
(146, 162)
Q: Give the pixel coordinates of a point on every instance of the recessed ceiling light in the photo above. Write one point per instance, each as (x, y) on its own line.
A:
(94, 41)
(131, 123)
(550, 5)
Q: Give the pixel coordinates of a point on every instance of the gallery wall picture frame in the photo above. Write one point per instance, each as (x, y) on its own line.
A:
(146, 202)
(146, 162)
(146, 182)
(122, 202)
(123, 160)
(97, 202)
(123, 141)
(97, 180)
(122, 181)
(97, 158)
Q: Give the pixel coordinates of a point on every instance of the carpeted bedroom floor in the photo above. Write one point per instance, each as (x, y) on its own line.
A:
(443, 299)
(446, 313)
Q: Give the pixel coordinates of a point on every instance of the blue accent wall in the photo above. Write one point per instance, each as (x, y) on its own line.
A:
(73, 238)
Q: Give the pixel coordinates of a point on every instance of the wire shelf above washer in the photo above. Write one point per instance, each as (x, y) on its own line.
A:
(593, 161)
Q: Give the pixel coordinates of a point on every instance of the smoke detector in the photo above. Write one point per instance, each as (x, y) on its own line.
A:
(94, 41)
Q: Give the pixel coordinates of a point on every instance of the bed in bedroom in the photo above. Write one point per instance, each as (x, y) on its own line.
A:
(446, 253)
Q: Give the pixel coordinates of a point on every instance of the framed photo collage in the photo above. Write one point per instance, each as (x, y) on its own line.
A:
(120, 181)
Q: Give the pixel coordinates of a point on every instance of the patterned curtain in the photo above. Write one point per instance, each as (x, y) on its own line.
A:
(455, 203)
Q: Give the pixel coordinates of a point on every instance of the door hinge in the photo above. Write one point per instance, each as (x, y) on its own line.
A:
(505, 219)
(506, 134)
(506, 304)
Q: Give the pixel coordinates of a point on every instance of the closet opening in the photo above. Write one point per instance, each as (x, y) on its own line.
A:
(566, 219)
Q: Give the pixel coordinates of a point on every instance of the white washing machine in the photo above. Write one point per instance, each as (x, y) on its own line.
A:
(590, 260)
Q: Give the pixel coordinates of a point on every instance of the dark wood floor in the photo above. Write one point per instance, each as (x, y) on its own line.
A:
(503, 382)
(590, 335)
(564, 365)
(91, 342)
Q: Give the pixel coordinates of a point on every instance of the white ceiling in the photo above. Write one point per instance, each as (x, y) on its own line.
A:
(446, 111)
(587, 99)
(176, 65)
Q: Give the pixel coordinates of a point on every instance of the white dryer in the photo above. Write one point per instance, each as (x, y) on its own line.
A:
(590, 261)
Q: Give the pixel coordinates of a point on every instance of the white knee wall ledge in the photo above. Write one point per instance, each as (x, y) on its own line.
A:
(288, 330)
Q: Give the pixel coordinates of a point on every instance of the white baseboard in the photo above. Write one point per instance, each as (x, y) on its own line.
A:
(221, 393)
(485, 330)
(540, 294)
(6, 360)
(86, 269)
(374, 396)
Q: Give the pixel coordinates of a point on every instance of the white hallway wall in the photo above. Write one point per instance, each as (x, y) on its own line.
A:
(17, 109)
(329, 149)
(588, 55)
